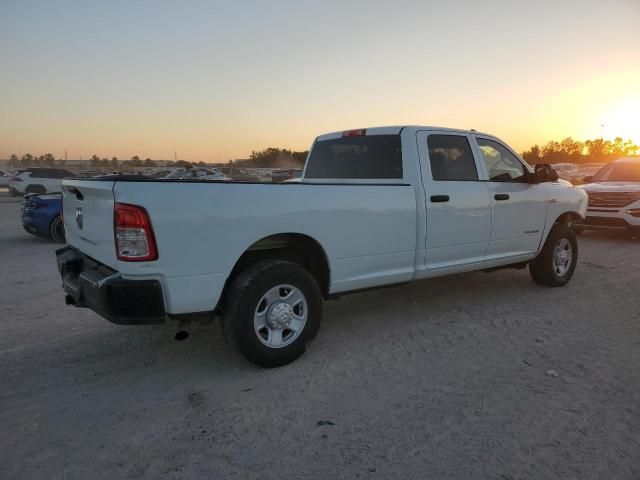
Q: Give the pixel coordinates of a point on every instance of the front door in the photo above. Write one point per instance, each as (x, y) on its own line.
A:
(519, 207)
(458, 204)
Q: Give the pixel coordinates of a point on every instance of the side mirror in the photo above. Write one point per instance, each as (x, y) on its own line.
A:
(545, 173)
(587, 179)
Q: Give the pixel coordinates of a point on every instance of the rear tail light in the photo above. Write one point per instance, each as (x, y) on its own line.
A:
(134, 238)
(16, 178)
(355, 133)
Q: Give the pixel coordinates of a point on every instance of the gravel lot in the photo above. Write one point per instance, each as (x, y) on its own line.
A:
(469, 377)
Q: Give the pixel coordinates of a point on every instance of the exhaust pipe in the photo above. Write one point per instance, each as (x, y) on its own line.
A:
(183, 330)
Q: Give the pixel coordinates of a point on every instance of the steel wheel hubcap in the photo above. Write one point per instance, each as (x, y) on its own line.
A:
(562, 257)
(280, 316)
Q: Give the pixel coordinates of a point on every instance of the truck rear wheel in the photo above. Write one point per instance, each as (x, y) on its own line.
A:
(555, 264)
(272, 310)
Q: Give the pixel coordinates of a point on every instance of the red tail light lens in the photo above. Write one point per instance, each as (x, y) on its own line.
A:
(134, 238)
(16, 178)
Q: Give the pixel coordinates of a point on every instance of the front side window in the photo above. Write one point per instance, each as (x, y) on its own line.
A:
(501, 164)
(451, 158)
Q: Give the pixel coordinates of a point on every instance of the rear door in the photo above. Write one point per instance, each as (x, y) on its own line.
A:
(519, 208)
(88, 218)
(458, 203)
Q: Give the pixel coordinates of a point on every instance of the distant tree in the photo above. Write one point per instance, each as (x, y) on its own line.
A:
(573, 151)
(135, 161)
(598, 148)
(149, 163)
(114, 162)
(14, 161)
(48, 160)
(571, 147)
(94, 161)
(533, 155)
(27, 160)
(276, 157)
(300, 157)
(183, 164)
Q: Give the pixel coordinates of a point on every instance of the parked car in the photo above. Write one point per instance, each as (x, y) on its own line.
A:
(590, 169)
(280, 175)
(38, 180)
(5, 178)
(42, 215)
(566, 171)
(375, 207)
(614, 197)
(198, 174)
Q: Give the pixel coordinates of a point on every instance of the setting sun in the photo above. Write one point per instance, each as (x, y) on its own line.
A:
(623, 120)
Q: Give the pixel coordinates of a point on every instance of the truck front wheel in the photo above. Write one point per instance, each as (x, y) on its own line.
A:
(554, 265)
(272, 310)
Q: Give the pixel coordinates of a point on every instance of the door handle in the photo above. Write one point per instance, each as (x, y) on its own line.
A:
(501, 196)
(439, 198)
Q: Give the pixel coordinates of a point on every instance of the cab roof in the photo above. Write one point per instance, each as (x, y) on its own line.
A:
(393, 130)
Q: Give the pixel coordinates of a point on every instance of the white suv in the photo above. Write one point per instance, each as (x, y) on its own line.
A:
(5, 177)
(38, 180)
(614, 196)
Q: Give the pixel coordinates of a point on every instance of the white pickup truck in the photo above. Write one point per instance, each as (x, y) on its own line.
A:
(374, 207)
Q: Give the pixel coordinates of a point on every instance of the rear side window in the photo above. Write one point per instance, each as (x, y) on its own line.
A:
(361, 157)
(451, 158)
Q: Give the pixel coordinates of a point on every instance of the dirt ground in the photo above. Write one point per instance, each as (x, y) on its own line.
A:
(468, 377)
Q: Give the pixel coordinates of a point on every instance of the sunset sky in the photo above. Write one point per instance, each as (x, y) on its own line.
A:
(215, 80)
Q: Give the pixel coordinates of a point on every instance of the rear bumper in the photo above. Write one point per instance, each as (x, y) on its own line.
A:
(31, 226)
(90, 284)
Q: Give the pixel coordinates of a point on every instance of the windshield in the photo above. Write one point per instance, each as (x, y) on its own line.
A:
(618, 172)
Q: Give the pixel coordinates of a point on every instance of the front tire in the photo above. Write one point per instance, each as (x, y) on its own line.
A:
(555, 264)
(272, 310)
(56, 230)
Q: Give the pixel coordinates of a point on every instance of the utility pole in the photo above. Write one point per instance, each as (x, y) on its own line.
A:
(65, 154)
(175, 156)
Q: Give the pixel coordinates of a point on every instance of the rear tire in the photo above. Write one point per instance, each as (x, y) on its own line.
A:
(272, 310)
(56, 230)
(555, 264)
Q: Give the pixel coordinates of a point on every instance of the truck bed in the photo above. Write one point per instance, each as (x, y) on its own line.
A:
(203, 227)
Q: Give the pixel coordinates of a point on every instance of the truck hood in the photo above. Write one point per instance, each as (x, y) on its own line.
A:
(611, 187)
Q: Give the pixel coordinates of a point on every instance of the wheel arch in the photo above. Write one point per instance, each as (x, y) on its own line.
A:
(567, 218)
(295, 247)
(50, 227)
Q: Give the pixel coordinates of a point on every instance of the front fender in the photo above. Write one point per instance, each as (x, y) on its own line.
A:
(563, 199)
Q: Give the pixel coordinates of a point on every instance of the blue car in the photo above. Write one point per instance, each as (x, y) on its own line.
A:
(42, 215)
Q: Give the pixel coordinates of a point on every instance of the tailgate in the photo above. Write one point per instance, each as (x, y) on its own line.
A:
(88, 218)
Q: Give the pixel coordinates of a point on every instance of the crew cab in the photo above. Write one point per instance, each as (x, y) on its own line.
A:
(374, 207)
(614, 197)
